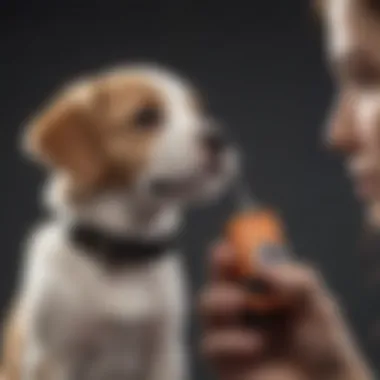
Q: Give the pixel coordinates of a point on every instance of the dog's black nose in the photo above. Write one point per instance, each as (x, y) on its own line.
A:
(214, 141)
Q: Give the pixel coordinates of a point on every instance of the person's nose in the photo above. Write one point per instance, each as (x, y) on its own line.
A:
(341, 133)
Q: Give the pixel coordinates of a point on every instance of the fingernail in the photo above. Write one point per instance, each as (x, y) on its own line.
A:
(271, 255)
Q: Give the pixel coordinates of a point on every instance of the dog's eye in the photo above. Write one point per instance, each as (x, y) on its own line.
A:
(148, 117)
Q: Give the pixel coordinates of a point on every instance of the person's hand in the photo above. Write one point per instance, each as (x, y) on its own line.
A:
(308, 341)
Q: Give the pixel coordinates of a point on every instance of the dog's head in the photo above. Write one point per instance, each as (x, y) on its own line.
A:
(140, 130)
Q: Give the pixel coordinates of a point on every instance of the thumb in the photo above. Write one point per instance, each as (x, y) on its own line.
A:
(293, 281)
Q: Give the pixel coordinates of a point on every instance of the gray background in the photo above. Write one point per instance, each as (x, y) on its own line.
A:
(259, 64)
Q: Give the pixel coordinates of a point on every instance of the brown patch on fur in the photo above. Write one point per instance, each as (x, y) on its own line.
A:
(89, 131)
(63, 137)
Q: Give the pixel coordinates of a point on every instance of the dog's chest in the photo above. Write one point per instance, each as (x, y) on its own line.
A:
(108, 349)
(122, 296)
(99, 324)
(113, 320)
(116, 349)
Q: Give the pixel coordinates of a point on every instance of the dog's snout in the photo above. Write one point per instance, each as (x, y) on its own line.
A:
(214, 141)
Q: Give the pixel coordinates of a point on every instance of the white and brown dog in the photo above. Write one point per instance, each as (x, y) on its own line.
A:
(102, 295)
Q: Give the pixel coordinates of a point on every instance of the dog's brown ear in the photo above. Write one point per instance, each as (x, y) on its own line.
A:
(63, 136)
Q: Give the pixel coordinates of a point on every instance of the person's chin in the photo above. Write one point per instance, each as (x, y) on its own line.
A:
(372, 214)
(368, 193)
(367, 188)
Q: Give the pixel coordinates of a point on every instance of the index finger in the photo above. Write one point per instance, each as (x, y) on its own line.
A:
(294, 281)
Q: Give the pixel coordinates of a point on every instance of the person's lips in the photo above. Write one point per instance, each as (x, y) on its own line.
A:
(367, 185)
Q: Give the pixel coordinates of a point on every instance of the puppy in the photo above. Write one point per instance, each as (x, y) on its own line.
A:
(101, 295)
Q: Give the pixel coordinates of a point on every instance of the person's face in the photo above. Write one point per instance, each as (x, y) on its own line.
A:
(352, 42)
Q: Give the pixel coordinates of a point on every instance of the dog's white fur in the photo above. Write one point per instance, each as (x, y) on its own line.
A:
(67, 302)
(66, 291)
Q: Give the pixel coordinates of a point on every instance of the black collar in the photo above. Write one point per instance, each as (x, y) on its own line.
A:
(115, 251)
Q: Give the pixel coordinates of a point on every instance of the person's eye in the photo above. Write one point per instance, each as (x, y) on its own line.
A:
(373, 6)
(362, 73)
(148, 117)
(365, 77)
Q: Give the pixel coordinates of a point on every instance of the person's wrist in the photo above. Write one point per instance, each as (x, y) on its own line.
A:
(346, 360)
(348, 364)
(354, 367)
(341, 359)
(345, 372)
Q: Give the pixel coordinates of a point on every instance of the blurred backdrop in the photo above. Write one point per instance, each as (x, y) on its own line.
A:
(260, 66)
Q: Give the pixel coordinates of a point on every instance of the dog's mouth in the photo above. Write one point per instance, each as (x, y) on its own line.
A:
(169, 187)
(212, 172)
(183, 187)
